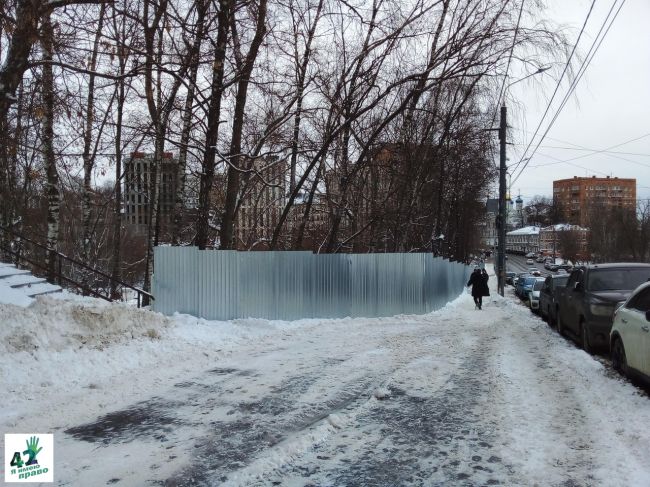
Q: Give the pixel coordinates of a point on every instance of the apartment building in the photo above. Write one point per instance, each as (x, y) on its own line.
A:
(138, 184)
(263, 200)
(578, 197)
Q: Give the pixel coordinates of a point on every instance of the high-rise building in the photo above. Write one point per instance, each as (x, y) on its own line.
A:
(138, 176)
(262, 203)
(577, 198)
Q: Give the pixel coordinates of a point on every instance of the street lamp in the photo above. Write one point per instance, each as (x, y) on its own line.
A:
(501, 255)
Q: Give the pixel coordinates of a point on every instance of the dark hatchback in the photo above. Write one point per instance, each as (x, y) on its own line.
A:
(547, 297)
(591, 295)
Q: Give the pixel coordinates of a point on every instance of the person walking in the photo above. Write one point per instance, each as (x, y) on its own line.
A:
(478, 280)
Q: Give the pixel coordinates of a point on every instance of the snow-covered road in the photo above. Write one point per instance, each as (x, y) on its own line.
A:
(456, 397)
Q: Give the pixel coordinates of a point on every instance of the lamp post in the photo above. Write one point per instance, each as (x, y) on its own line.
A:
(501, 257)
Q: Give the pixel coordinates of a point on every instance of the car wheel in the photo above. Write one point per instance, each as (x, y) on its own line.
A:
(586, 344)
(619, 362)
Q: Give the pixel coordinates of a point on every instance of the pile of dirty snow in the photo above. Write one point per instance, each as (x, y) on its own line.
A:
(61, 350)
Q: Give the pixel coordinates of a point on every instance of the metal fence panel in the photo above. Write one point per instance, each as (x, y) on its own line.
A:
(218, 284)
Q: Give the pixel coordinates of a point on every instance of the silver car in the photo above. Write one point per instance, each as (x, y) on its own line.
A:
(630, 335)
(533, 296)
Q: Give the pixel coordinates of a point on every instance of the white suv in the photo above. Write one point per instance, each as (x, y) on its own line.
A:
(630, 335)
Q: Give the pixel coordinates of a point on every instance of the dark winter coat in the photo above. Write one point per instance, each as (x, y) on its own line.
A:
(478, 280)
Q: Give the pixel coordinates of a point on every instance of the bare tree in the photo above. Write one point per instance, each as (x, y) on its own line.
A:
(235, 160)
(213, 122)
(569, 242)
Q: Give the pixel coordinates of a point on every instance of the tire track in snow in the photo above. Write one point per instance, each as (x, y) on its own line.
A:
(416, 436)
(224, 425)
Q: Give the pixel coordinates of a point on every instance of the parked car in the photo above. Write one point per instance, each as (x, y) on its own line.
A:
(553, 268)
(526, 286)
(592, 293)
(516, 279)
(539, 260)
(630, 336)
(547, 297)
(520, 283)
(561, 271)
(533, 295)
(547, 264)
(509, 277)
(566, 267)
(530, 255)
(534, 271)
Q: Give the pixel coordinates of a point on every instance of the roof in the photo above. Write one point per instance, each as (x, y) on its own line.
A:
(594, 178)
(560, 227)
(526, 231)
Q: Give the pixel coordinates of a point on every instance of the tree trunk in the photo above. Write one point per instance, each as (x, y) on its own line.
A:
(300, 90)
(212, 132)
(234, 157)
(53, 190)
(116, 258)
(187, 125)
(88, 156)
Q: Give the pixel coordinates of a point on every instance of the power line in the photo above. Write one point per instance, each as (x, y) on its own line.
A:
(608, 152)
(559, 81)
(571, 164)
(581, 72)
(582, 147)
(599, 152)
(505, 77)
(590, 56)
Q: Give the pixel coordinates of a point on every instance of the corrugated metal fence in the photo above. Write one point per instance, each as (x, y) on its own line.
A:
(225, 284)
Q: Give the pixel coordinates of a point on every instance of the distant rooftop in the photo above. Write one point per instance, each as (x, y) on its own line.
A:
(533, 230)
(560, 227)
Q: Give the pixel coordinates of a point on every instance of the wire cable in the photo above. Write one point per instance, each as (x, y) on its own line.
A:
(505, 77)
(581, 71)
(603, 151)
(557, 86)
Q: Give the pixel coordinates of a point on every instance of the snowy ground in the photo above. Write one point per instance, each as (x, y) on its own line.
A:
(456, 397)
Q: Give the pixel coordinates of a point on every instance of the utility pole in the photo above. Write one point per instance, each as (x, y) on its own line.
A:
(501, 257)
(501, 253)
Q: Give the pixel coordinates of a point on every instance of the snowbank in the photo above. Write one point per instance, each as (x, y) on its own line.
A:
(60, 347)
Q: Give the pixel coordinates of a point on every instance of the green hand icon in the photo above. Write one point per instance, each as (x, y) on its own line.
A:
(32, 450)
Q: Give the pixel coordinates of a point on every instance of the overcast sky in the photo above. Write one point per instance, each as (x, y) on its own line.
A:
(610, 106)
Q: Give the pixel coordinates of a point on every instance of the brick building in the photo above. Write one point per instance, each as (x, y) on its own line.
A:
(550, 238)
(577, 197)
